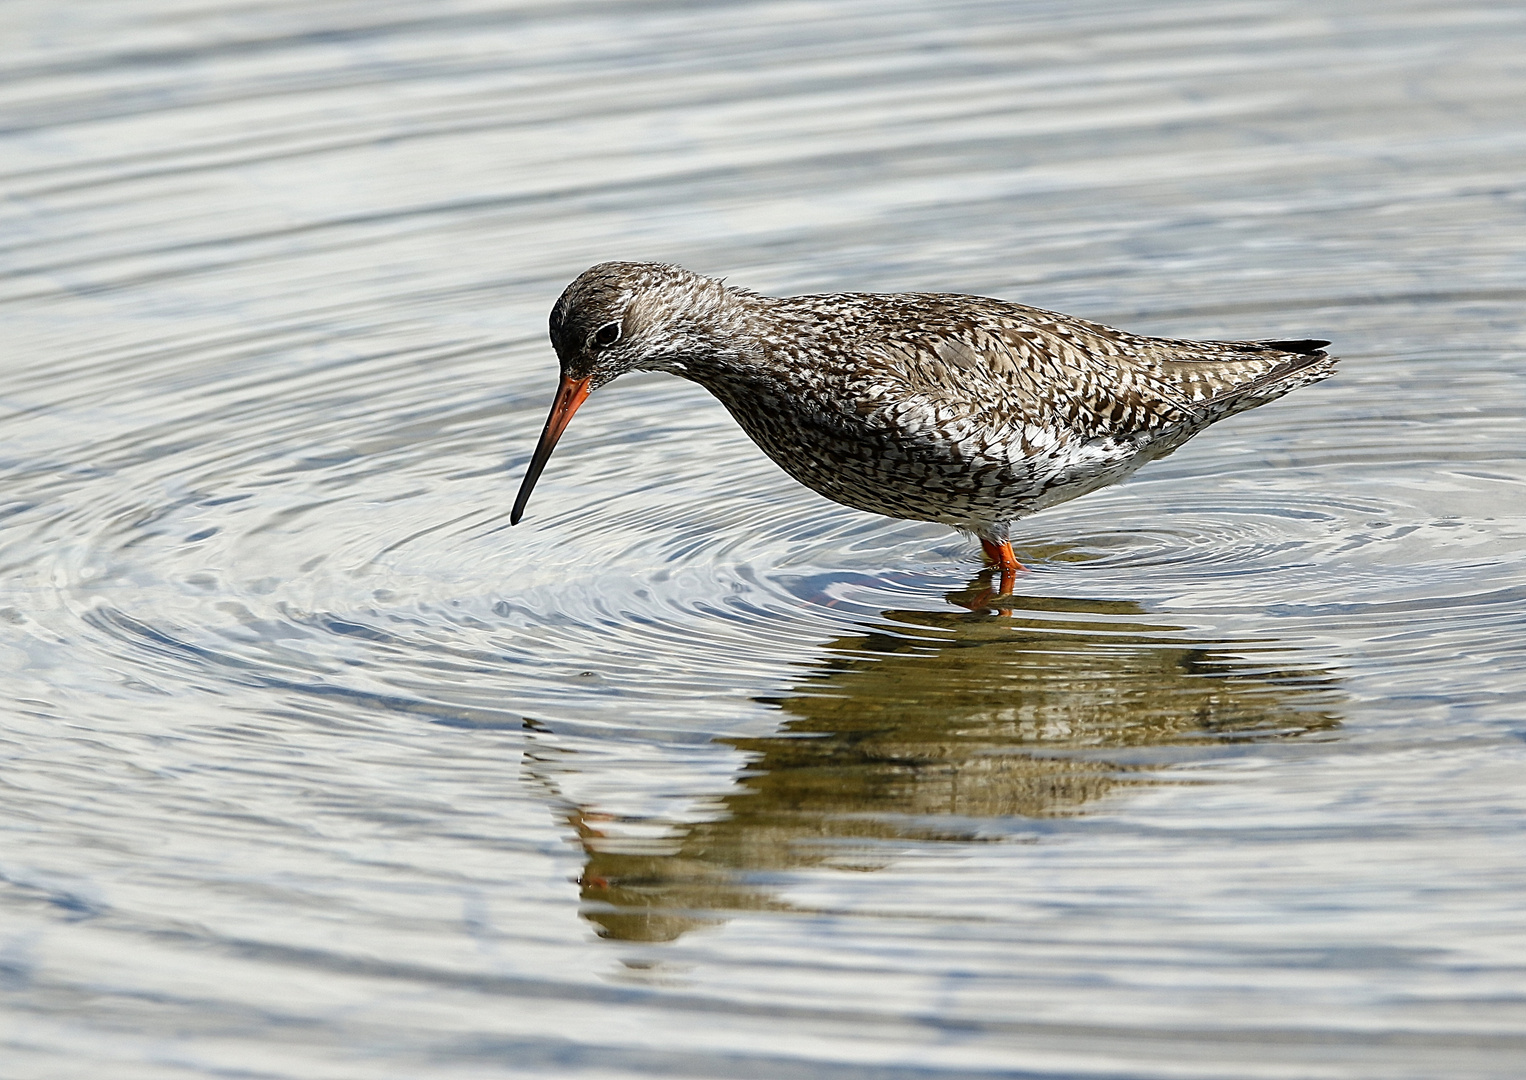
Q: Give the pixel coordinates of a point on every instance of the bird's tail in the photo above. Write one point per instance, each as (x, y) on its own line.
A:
(1306, 362)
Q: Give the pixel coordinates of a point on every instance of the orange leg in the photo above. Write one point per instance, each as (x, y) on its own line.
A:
(1001, 555)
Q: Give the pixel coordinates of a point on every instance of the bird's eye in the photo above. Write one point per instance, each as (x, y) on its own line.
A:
(606, 335)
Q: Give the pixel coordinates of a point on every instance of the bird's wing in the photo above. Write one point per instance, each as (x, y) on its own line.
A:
(1011, 364)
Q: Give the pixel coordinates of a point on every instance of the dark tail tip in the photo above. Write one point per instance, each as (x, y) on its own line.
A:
(1308, 346)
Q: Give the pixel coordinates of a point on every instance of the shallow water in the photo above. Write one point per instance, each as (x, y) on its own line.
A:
(313, 767)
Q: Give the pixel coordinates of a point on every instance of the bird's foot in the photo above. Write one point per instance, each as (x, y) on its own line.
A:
(998, 581)
(1000, 554)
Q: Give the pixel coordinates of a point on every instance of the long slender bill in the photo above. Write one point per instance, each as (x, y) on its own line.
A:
(569, 395)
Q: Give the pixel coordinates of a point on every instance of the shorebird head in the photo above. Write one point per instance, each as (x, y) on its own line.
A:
(618, 317)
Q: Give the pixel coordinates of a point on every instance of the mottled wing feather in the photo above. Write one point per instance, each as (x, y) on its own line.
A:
(1017, 364)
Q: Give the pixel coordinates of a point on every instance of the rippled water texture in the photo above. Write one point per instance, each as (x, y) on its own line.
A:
(314, 768)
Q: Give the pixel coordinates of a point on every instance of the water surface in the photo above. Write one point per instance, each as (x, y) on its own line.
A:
(313, 767)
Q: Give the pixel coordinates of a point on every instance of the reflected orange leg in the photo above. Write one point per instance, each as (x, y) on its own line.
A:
(1001, 556)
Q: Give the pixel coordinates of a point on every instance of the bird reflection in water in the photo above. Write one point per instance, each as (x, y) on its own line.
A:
(929, 725)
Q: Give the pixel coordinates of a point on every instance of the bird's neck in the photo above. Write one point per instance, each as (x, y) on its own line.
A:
(721, 339)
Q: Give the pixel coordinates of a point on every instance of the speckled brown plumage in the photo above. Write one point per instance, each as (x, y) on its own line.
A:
(963, 410)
